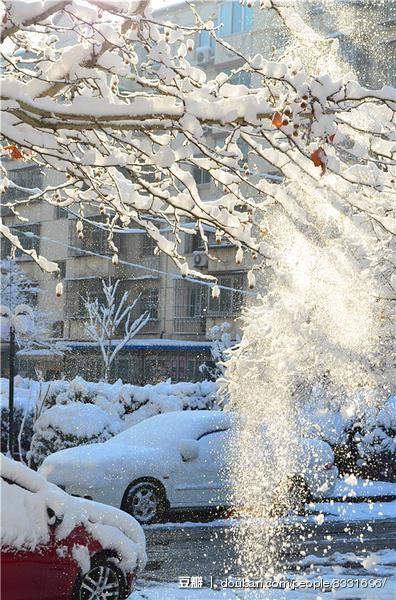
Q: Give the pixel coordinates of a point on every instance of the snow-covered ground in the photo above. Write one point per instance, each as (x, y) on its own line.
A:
(362, 511)
(340, 576)
(358, 488)
(360, 575)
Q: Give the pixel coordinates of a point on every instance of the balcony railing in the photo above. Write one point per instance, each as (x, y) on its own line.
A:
(189, 325)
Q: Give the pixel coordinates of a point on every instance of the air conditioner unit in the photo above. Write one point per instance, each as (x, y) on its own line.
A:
(204, 55)
(200, 259)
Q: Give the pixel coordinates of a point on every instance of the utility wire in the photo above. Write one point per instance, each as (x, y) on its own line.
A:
(173, 276)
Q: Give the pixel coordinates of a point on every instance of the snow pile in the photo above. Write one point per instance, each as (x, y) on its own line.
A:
(26, 525)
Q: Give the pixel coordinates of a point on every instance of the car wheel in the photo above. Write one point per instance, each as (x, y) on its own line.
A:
(145, 502)
(103, 581)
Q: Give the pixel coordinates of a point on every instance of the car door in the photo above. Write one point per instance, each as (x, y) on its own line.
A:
(203, 481)
(23, 571)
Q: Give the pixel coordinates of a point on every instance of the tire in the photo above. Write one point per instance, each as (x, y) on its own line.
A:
(104, 580)
(145, 501)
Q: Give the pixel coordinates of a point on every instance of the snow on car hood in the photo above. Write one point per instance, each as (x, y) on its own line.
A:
(26, 522)
(94, 465)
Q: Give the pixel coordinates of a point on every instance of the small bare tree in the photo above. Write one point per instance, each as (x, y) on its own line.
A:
(106, 319)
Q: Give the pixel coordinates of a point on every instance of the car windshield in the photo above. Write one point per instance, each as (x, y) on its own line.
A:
(168, 429)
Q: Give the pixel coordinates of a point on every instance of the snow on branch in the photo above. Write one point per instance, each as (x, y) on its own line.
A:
(105, 93)
(19, 309)
(110, 319)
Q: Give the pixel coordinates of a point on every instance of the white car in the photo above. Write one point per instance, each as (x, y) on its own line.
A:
(173, 461)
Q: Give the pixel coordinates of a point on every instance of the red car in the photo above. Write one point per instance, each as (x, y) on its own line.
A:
(57, 547)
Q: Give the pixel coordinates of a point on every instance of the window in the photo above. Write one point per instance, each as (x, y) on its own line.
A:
(230, 302)
(27, 236)
(234, 18)
(94, 240)
(241, 78)
(62, 270)
(148, 245)
(57, 329)
(244, 148)
(214, 243)
(205, 40)
(201, 176)
(149, 301)
(61, 213)
(193, 242)
(25, 177)
(77, 291)
(190, 307)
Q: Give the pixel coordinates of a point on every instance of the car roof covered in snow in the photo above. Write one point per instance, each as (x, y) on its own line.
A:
(169, 428)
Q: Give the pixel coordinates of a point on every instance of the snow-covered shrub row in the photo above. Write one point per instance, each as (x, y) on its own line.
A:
(362, 434)
(70, 413)
(142, 402)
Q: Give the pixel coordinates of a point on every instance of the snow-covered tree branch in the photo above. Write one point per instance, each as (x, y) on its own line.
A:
(220, 350)
(111, 319)
(105, 94)
(18, 307)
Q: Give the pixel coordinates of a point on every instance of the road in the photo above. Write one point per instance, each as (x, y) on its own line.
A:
(206, 549)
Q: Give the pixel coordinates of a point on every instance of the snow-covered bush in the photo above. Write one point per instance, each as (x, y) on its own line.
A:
(66, 426)
(362, 434)
(143, 402)
(220, 350)
(375, 441)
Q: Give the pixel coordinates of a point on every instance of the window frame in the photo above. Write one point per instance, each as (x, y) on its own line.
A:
(222, 306)
(238, 20)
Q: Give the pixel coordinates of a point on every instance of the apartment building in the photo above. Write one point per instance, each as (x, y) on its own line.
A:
(174, 342)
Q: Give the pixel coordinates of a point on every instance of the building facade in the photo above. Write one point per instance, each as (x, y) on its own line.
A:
(174, 342)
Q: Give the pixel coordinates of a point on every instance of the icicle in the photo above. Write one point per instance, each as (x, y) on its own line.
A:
(184, 269)
(59, 289)
(239, 256)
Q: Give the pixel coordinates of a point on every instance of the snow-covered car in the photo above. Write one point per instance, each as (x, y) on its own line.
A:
(173, 461)
(58, 547)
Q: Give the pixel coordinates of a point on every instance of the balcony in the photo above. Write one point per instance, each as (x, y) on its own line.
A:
(152, 326)
(188, 325)
(150, 262)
